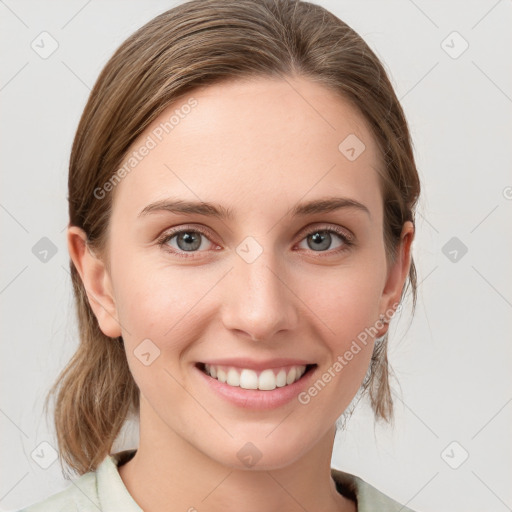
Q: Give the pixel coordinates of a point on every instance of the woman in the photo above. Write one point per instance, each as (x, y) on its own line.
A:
(241, 194)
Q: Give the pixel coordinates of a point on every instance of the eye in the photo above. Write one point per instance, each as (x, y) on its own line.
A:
(185, 240)
(193, 240)
(321, 240)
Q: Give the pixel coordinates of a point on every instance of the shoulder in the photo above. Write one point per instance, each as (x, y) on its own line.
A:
(368, 498)
(97, 491)
(80, 496)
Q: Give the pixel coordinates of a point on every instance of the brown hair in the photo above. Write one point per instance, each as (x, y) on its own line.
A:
(195, 44)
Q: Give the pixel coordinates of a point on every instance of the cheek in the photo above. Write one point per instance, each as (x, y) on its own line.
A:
(349, 309)
(159, 320)
(346, 300)
(345, 312)
(160, 303)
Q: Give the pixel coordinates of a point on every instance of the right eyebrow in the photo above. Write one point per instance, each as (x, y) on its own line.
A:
(178, 206)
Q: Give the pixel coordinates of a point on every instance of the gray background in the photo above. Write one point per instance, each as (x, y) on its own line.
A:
(453, 361)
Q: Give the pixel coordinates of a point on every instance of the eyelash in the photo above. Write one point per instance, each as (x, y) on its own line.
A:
(347, 240)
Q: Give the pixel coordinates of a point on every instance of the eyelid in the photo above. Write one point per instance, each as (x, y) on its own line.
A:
(342, 232)
(347, 238)
(172, 232)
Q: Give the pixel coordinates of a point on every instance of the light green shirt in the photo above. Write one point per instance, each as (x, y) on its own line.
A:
(103, 490)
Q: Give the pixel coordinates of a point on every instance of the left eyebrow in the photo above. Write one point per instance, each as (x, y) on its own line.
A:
(327, 205)
(316, 206)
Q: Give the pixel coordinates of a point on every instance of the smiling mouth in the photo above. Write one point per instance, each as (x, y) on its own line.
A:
(246, 378)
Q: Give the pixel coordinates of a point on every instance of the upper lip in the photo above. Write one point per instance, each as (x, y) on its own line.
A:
(252, 364)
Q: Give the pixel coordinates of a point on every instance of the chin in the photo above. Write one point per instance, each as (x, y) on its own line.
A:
(263, 451)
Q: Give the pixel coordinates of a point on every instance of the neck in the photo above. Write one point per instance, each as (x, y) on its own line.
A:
(168, 470)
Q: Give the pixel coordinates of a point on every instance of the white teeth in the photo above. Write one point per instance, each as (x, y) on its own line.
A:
(267, 380)
(281, 379)
(233, 377)
(291, 376)
(249, 379)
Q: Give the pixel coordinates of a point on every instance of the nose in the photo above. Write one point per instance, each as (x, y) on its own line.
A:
(258, 300)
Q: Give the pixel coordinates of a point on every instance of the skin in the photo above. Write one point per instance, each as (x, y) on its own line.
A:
(257, 147)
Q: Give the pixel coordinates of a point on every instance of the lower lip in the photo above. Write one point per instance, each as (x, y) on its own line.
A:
(255, 398)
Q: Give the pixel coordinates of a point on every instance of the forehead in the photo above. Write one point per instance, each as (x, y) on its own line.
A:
(253, 143)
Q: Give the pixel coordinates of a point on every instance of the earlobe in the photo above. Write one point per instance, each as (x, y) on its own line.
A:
(397, 275)
(96, 281)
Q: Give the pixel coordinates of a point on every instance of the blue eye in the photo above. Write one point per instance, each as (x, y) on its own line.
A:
(187, 240)
(320, 240)
(183, 241)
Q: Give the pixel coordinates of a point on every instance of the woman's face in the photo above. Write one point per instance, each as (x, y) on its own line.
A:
(269, 276)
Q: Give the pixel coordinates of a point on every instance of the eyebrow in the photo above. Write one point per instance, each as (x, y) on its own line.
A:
(326, 205)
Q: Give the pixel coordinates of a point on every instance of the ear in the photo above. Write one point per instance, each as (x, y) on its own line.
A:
(96, 281)
(397, 274)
